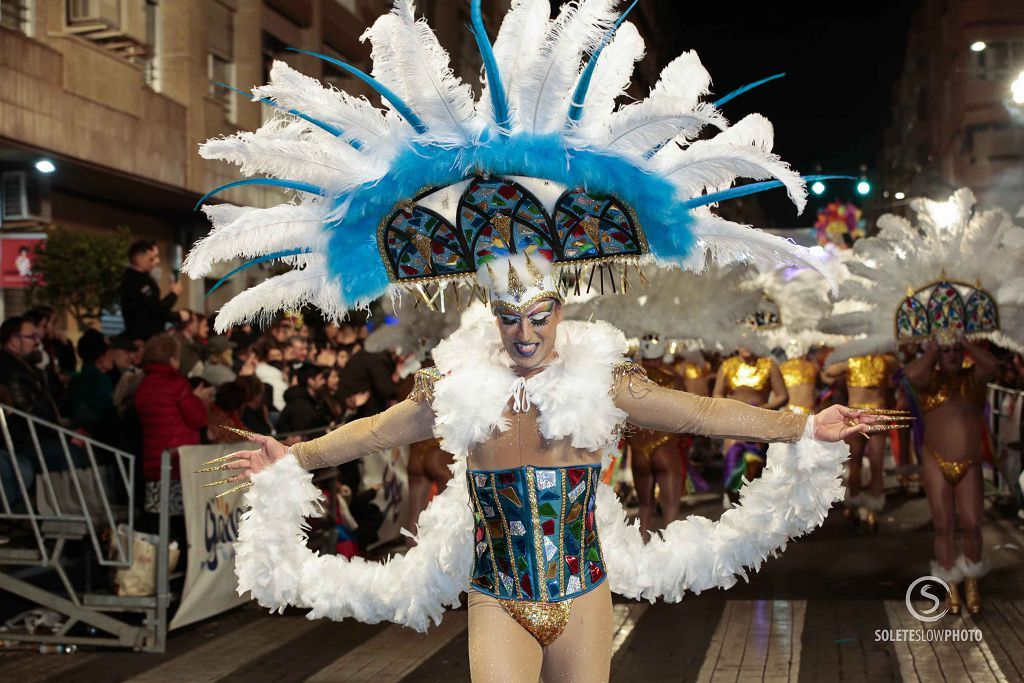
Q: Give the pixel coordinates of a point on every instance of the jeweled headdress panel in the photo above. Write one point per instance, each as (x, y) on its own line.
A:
(432, 188)
(954, 272)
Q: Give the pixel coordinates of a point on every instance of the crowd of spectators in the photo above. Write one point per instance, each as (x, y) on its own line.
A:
(166, 382)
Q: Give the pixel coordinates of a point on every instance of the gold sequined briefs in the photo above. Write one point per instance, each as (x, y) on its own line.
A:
(544, 620)
(869, 371)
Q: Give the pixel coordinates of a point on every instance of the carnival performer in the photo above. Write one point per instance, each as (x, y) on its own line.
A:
(946, 281)
(654, 456)
(543, 185)
(869, 386)
(757, 381)
(695, 371)
(800, 375)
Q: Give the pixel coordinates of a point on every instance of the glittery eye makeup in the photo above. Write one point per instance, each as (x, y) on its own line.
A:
(540, 319)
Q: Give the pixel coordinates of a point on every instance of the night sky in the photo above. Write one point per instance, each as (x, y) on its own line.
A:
(841, 60)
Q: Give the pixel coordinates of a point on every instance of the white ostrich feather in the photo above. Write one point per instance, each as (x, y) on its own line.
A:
(670, 111)
(710, 165)
(610, 80)
(354, 115)
(248, 232)
(408, 59)
(309, 285)
(552, 71)
(519, 40)
(723, 242)
(280, 150)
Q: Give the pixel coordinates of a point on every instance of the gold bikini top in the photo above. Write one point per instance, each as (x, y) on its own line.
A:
(799, 371)
(869, 371)
(941, 388)
(690, 370)
(756, 376)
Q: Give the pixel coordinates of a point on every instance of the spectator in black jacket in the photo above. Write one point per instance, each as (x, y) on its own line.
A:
(145, 313)
(304, 408)
(24, 387)
(370, 372)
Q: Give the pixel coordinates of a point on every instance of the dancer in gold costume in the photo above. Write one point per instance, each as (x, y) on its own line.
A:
(869, 385)
(953, 400)
(757, 381)
(655, 458)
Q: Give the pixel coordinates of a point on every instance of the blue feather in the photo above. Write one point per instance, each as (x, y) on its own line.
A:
(749, 86)
(352, 251)
(499, 103)
(290, 184)
(257, 261)
(397, 102)
(333, 130)
(579, 97)
(752, 188)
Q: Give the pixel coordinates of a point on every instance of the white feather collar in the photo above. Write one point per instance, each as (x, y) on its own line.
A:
(572, 395)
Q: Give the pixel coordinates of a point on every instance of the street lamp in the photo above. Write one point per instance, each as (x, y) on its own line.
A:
(978, 46)
(818, 188)
(863, 188)
(1017, 89)
(45, 166)
(900, 195)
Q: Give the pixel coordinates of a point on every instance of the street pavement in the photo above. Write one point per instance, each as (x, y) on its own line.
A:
(810, 615)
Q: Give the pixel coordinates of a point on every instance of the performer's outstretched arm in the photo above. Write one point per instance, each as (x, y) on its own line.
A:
(404, 423)
(653, 407)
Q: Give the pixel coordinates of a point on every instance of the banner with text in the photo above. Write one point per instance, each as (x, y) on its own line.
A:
(212, 526)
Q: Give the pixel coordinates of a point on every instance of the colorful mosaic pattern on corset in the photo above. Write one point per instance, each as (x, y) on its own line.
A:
(536, 534)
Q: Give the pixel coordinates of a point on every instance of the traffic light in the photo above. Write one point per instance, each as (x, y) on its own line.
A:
(818, 188)
(863, 188)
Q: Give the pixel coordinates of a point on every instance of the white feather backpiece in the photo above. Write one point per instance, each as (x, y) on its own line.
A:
(948, 240)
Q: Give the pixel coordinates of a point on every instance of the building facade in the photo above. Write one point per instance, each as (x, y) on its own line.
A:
(954, 121)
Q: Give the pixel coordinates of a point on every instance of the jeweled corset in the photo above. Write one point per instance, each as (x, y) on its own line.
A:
(535, 536)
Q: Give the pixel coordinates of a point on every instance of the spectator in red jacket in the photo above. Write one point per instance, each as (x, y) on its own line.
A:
(171, 413)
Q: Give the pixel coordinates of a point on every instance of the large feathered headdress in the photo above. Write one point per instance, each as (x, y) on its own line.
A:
(957, 271)
(434, 187)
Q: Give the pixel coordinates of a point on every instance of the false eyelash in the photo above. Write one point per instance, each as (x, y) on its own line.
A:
(541, 322)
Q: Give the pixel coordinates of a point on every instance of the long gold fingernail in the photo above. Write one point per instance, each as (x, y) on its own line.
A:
(218, 483)
(240, 487)
(219, 468)
(241, 432)
(224, 458)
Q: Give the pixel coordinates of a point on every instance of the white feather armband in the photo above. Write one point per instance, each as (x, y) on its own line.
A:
(792, 497)
(274, 564)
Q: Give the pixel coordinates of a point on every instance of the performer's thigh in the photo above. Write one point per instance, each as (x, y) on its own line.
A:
(499, 648)
(666, 458)
(584, 650)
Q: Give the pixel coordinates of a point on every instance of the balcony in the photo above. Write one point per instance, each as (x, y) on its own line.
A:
(118, 26)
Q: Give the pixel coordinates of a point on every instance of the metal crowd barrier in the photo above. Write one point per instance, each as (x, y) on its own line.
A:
(87, 500)
(1006, 427)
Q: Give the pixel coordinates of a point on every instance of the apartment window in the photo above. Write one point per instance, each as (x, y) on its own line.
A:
(152, 64)
(998, 61)
(14, 14)
(220, 64)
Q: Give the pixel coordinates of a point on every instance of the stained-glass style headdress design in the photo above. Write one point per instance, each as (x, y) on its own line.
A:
(425, 193)
(954, 273)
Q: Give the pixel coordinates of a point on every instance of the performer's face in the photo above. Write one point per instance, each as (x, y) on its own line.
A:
(951, 358)
(529, 336)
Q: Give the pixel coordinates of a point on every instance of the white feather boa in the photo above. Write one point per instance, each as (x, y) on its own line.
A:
(272, 561)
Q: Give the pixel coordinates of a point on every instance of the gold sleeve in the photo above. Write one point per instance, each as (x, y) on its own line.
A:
(650, 406)
(402, 424)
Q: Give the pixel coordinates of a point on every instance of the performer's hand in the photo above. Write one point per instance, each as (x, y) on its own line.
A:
(835, 423)
(246, 463)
